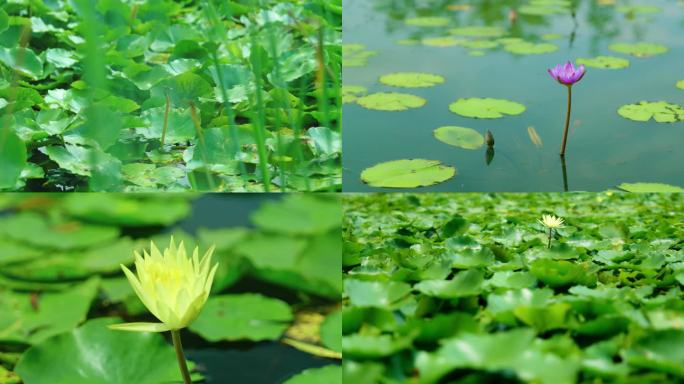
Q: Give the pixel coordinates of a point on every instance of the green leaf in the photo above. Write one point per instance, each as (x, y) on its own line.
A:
(411, 80)
(410, 173)
(466, 138)
(392, 101)
(331, 374)
(299, 215)
(640, 50)
(604, 62)
(464, 284)
(660, 111)
(356, 55)
(529, 48)
(382, 294)
(53, 313)
(649, 187)
(12, 158)
(478, 31)
(486, 108)
(427, 21)
(331, 334)
(242, 317)
(22, 60)
(185, 88)
(121, 358)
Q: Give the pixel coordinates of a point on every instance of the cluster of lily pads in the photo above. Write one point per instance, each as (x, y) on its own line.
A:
(412, 173)
(61, 285)
(167, 95)
(464, 288)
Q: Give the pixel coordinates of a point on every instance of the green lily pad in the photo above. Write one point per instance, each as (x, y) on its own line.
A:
(120, 358)
(22, 60)
(680, 84)
(53, 313)
(461, 137)
(356, 55)
(639, 49)
(135, 210)
(408, 173)
(151, 176)
(392, 101)
(662, 351)
(649, 187)
(604, 62)
(529, 48)
(639, 9)
(32, 228)
(299, 215)
(480, 44)
(660, 111)
(486, 108)
(331, 334)
(427, 21)
(544, 8)
(478, 31)
(561, 273)
(180, 127)
(445, 41)
(411, 80)
(551, 36)
(373, 346)
(12, 159)
(242, 317)
(464, 284)
(351, 93)
(330, 374)
(381, 294)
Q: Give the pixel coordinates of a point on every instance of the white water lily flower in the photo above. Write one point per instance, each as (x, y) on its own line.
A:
(551, 221)
(173, 286)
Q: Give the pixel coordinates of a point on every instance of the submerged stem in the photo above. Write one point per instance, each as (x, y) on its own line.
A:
(550, 235)
(567, 121)
(175, 335)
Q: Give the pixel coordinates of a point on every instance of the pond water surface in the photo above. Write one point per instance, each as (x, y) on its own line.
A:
(604, 149)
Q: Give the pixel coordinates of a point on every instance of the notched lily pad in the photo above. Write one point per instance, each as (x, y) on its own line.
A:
(604, 62)
(486, 108)
(350, 93)
(356, 55)
(409, 173)
(640, 50)
(411, 80)
(466, 138)
(391, 101)
(445, 41)
(660, 111)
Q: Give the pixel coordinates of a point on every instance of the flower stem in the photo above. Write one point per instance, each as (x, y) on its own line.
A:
(567, 121)
(175, 335)
(550, 234)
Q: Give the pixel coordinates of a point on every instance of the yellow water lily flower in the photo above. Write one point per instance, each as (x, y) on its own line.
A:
(551, 221)
(173, 286)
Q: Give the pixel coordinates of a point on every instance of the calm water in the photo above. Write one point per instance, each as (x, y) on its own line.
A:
(604, 149)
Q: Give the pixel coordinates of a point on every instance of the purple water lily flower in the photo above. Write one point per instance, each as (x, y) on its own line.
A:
(567, 74)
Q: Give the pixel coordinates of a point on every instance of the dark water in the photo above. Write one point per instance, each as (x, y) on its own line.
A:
(604, 149)
(242, 363)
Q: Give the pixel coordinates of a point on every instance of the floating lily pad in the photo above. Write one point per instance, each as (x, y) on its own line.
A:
(544, 8)
(529, 48)
(330, 374)
(382, 294)
(242, 317)
(551, 36)
(478, 31)
(649, 187)
(445, 41)
(409, 173)
(411, 80)
(464, 284)
(480, 44)
(660, 111)
(299, 215)
(94, 354)
(427, 21)
(476, 53)
(356, 55)
(680, 84)
(604, 62)
(486, 108)
(12, 159)
(639, 49)
(350, 93)
(461, 137)
(391, 101)
(639, 9)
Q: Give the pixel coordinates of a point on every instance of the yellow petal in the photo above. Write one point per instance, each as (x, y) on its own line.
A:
(140, 327)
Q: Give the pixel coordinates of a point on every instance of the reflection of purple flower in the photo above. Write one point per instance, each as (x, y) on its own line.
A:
(567, 74)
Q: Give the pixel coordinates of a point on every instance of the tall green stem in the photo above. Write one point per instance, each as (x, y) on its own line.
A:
(550, 235)
(567, 121)
(175, 335)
